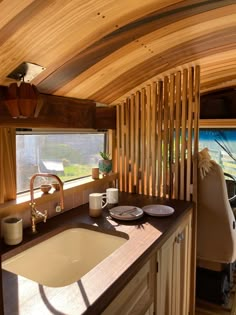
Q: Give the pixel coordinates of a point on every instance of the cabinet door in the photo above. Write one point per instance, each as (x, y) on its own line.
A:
(182, 262)
(137, 297)
(165, 278)
(173, 276)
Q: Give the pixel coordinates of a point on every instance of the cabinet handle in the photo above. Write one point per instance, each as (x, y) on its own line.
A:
(179, 238)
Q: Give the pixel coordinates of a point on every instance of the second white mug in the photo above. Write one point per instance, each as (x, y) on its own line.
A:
(112, 196)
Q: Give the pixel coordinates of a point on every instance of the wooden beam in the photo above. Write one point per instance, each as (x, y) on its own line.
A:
(105, 117)
(61, 112)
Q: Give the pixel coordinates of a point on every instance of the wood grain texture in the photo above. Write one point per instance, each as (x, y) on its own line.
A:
(106, 50)
(58, 112)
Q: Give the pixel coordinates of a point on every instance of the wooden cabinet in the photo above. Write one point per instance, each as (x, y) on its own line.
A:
(173, 275)
(137, 298)
(162, 286)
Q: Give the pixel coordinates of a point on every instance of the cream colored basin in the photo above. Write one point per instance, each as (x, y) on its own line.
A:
(63, 258)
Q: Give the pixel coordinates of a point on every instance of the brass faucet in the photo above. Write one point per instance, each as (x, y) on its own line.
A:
(36, 215)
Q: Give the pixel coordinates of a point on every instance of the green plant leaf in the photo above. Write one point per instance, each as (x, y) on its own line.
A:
(105, 155)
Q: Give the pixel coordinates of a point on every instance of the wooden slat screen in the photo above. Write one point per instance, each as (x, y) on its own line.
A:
(157, 136)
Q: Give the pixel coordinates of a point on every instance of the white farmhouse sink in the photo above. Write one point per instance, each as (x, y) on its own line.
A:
(65, 257)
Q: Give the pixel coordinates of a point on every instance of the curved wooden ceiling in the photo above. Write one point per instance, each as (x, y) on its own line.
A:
(105, 49)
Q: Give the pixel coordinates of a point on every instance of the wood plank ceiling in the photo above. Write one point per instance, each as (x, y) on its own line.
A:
(104, 49)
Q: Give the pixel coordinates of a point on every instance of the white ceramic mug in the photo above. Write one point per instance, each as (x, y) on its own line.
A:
(112, 196)
(12, 230)
(96, 204)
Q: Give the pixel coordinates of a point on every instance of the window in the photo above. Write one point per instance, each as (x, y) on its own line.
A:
(221, 143)
(68, 155)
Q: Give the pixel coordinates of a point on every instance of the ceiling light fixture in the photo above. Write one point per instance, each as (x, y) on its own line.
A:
(23, 99)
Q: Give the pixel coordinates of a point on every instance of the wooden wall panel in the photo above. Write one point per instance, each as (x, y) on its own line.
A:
(157, 134)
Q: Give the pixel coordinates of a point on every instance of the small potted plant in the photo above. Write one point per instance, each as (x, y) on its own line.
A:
(105, 164)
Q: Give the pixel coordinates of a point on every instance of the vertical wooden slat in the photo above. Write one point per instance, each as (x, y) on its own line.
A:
(148, 138)
(127, 141)
(183, 134)
(177, 132)
(189, 143)
(118, 143)
(153, 136)
(132, 141)
(143, 133)
(159, 139)
(196, 123)
(195, 150)
(112, 148)
(171, 145)
(137, 140)
(165, 136)
(122, 120)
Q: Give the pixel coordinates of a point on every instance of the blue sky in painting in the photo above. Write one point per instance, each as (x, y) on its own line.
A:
(226, 137)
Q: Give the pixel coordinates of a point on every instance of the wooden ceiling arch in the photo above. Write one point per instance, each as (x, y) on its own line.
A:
(103, 50)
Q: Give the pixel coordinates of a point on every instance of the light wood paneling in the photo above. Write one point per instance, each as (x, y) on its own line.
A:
(107, 50)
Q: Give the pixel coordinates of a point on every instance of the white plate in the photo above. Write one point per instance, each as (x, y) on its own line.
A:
(126, 213)
(158, 210)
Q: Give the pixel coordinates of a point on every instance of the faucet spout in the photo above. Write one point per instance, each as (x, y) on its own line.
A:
(36, 214)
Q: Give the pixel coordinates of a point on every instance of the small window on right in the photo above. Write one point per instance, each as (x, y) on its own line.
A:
(221, 143)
